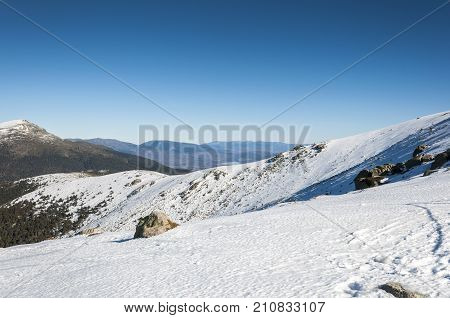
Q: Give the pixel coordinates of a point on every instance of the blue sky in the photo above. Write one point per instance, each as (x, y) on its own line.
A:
(222, 62)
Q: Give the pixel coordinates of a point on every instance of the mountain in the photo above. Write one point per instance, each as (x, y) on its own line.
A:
(191, 156)
(178, 154)
(116, 145)
(332, 246)
(116, 202)
(27, 150)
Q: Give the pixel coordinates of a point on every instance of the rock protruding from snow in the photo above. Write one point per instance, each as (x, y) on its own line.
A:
(154, 224)
(372, 178)
(397, 290)
(419, 149)
(439, 161)
(92, 231)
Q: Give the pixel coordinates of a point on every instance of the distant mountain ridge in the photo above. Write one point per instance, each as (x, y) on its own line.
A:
(192, 156)
(27, 150)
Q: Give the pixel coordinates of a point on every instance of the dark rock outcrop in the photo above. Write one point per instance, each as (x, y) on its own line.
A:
(383, 170)
(372, 178)
(399, 168)
(440, 160)
(425, 158)
(419, 149)
(154, 224)
(397, 290)
(369, 182)
(319, 147)
(414, 162)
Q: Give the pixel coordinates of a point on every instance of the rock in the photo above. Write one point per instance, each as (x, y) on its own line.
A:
(134, 182)
(382, 170)
(411, 163)
(298, 147)
(369, 182)
(440, 160)
(372, 178)
(154, 224)
(364, 174)
(419, 149)
(425, 158)
(399, 168)
(319, 147)
(428, 172)
(91, 231)
(399, 291)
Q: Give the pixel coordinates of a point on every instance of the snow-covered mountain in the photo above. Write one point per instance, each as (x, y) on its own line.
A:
(117, 201)
(22, 130)
(331, 246)
(28, 150)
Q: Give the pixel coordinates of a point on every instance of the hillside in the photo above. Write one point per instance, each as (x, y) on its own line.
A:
(300, 174)
(331, 246)
(27, 150)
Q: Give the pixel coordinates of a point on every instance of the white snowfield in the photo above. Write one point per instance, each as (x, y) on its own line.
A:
(330, 246)
(299, 174)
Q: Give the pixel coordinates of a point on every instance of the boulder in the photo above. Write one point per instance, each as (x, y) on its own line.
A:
(397, 290)
(399, 168)
(91, 231)
(440, 160)
(426, 157)
(369, 182)
(428, 172)
(154, 224)
(364, 174)
(414, 162)
(372, 178)
(419, 149)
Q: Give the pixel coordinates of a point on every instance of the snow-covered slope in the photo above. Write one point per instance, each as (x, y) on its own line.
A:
(331, 246)
(302, 173)
(103, 193)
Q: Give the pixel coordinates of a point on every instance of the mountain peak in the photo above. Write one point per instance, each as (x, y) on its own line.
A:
(23, 128)
(14, 123)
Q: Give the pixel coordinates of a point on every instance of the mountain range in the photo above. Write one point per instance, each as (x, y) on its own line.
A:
(27, 150)
(190, 156)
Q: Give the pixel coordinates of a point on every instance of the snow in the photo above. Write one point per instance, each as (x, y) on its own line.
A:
(112, 190)
(15, 129)
(330, 246)
(13, 124)
(299, 174)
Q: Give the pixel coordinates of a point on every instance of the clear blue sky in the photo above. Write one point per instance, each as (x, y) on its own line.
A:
(222, 62)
